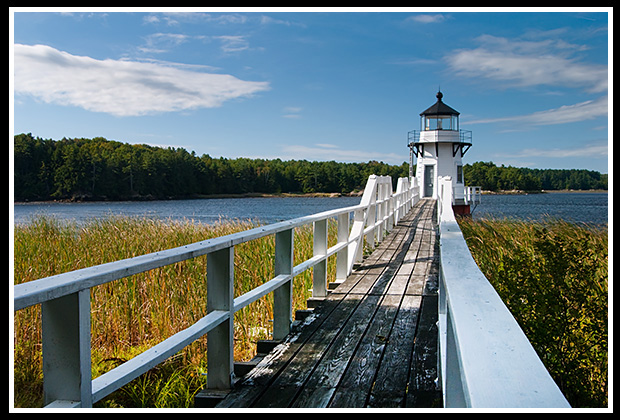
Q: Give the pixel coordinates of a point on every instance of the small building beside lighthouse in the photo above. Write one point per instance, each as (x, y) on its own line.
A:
(439, 147)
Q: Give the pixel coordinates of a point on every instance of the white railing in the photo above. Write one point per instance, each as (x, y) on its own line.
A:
(485, 358)
(65, 298)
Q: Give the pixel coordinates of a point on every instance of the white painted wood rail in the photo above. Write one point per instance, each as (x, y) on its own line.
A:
(65, 298)
(486, 360)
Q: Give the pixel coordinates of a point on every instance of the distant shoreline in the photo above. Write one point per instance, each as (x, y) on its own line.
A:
(523, 192)
(196, 197)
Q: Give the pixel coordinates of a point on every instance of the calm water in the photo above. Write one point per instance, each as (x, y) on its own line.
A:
(576, 207)
(266, 210)
(573, 207)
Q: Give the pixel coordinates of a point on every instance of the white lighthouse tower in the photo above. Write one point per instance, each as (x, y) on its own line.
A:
(439, 147)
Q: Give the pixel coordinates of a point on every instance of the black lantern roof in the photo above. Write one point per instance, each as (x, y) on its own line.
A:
(439, 108)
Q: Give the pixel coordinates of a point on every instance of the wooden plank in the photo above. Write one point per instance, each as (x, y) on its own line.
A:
(357, 381)
(390, 385)
(423, 390)
(326, 375)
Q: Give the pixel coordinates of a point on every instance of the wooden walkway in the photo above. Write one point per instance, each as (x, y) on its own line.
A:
(371, 343)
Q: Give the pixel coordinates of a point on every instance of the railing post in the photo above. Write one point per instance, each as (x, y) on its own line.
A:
(342, 257)
(391, 222)
(66, 349)
(371, 219)
(380, 210)
(356, 248)
(319, 273)
(220, 285)
(283, 295)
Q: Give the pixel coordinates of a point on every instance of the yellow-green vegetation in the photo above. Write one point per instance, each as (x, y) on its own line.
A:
(134, 313)
(553, 277)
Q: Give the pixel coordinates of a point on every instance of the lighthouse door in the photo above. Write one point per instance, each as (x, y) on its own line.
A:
(429, 180)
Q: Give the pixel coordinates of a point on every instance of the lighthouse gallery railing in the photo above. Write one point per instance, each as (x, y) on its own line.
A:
(485, 358)
(65, 298)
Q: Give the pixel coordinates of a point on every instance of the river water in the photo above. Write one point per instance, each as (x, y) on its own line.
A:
(574, 207)
(586, 207)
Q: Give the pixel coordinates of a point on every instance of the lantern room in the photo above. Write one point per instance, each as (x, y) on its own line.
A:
(439, 117)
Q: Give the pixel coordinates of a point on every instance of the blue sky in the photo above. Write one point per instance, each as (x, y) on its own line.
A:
(532, 86)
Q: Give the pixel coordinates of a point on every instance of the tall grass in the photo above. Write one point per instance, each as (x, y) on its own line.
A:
(137, 312)
(553, 277)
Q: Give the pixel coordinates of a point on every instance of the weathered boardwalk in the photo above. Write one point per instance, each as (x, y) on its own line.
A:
(371, 343)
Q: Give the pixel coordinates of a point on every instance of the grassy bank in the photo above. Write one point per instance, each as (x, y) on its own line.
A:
(134, 313)
(553, 277)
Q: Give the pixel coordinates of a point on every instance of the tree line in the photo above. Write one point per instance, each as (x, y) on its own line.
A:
(501, 178)
(99, 169)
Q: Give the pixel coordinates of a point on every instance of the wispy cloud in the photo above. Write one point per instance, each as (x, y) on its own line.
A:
(233, 43)
(176, 18)
(291, 112)
(427, 18)
(516, 62)
(164, 42)
(158, 43)
(565, 114)
(121, 87)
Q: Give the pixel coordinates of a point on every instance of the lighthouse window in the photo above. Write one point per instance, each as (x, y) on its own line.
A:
(459, 174)
(440, 122)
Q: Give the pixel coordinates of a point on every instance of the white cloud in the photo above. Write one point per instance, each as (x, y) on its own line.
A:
(528, 63)
(565, 114)
(427, 18)
(121, 87)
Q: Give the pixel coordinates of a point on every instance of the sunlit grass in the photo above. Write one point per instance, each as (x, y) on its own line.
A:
(137, 312)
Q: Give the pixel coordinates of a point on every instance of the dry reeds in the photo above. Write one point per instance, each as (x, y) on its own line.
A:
(134, 313)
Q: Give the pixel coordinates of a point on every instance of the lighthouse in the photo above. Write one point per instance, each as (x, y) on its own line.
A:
(439, 146)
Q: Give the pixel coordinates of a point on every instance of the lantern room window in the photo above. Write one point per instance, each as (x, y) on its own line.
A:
(440, 122)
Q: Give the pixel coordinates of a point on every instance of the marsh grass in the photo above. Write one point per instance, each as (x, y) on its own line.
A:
(553, 277)
(137, 312)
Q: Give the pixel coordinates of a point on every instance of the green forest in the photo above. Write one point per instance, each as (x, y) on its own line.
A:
(501, 178)
(101, 169)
